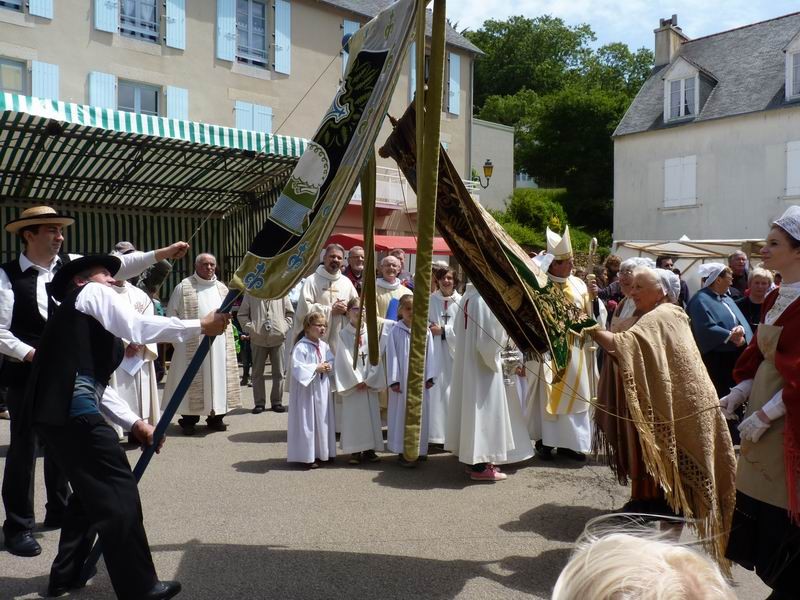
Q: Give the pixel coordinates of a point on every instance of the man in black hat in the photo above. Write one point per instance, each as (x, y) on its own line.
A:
(82, 340)
(23, 314)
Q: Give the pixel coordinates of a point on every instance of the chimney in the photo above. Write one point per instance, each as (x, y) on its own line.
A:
(669, 38)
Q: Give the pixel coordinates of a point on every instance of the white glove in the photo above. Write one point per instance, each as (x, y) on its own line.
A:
(735, 398)
(752, 428)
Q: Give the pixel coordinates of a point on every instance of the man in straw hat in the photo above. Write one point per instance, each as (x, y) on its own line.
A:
(558, 404)
(23, 315)
(67, 409)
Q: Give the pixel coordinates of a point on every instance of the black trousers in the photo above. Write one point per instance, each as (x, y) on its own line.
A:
(20, 467)
(105, 501)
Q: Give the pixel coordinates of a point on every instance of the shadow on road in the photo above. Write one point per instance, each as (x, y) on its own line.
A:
(554, 521)
(260, 437)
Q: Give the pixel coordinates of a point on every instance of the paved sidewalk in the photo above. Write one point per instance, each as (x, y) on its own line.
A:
(228, 517)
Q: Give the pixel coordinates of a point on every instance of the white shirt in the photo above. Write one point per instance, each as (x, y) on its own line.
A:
(122, 320)
(132, 264)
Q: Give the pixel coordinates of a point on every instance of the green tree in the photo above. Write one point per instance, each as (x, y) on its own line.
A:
(537, 54)
(614, 67)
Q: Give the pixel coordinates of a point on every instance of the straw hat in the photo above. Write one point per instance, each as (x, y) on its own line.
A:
(38, 215)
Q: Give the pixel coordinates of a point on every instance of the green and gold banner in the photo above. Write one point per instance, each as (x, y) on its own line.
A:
(327, 173)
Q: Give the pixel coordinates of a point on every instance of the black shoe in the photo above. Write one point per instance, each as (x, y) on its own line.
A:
(257, 410)
(53, 521)
(216, 424)
(542, 451)
(186, 426)
(408, 464)
(23, 544)
(54, 590)
(568, 453)
(243, 381)
(163, 590)
(278, 408)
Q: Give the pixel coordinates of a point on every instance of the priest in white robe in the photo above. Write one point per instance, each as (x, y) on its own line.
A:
(481, 425)
(359, 389)
(327, 291)
(135, 379)
(558, 407)
(215, 389)
(442, 316)
(389, 286)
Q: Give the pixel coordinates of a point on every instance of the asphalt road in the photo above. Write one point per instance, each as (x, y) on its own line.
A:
(229, 518)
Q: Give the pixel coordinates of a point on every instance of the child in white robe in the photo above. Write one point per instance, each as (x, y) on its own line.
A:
(442, 312)
(398, 347)
(311, 434)
(358, 389)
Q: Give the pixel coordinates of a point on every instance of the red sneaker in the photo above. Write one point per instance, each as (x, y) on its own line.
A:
(490, 473)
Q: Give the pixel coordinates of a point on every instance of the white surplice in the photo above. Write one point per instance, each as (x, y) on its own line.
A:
(139, 389)
(398, 346)
(310, 434)
(442, 311)
(319, 293)
(360, 410)
(214, 367)
(479, 428)
(385, 292)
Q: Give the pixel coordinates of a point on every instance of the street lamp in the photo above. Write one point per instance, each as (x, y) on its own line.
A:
(488, 168)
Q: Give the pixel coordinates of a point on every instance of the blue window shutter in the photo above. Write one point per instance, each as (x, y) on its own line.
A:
(102, 90)
(106, 15)
(177, 103)
(176, 24)
(412, 78)
(348, 28)
(283, 36)
(41, 8)
(226, 29)
(244, 115)
(454, 89)
(262, 118)
(44, 80)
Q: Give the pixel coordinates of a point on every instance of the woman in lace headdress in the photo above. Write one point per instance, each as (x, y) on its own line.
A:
(766, 527)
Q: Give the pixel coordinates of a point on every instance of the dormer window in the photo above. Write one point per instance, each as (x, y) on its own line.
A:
(794, 68)
(682, 98)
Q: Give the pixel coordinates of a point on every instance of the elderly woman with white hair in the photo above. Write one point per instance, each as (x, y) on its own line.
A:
(678, 432)
(759, 284)
(615, 434)
(720, 329)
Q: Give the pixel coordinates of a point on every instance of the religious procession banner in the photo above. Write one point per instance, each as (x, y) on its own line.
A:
(535, 313)
(328, 171)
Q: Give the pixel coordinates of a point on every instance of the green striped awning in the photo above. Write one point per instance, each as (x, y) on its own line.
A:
(93, 158)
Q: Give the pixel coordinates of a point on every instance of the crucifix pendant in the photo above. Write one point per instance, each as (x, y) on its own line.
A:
(363, 357)
(445, 317)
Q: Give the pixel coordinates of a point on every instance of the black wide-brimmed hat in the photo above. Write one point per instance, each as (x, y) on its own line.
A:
(60, 285)
(38, 215)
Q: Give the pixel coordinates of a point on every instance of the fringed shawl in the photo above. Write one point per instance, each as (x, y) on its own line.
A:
(675, 409)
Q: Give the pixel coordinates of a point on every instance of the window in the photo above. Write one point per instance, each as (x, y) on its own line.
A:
(138, 98)
(11, 4)
(13, 76)
(251, 32)
(680, 181)
(139, 19)
(682, 98)
(796, 74)
(793, 169)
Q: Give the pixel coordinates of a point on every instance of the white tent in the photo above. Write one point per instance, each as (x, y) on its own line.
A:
(689, 254)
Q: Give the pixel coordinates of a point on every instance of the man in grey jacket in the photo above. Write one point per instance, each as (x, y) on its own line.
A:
(268, 322)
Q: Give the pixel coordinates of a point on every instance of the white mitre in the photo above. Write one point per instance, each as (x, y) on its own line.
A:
(559, 246)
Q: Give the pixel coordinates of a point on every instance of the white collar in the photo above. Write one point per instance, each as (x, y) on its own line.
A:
(325, 275)
(205, 282)
(439, 294)
(403, 326)
(381, 282)
(25, 263)
(350, 328)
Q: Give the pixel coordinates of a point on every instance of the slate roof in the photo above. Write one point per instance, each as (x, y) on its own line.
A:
(748, 64)
(370, 8)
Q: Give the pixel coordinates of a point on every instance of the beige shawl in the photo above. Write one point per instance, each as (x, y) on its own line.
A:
(684, 438)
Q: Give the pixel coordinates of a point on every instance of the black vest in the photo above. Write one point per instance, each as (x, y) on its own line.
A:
(72, 344)
(27, 323)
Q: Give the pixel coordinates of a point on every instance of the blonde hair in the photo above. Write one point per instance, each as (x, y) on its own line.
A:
(761, 272)
(636, 564)
(313, 317)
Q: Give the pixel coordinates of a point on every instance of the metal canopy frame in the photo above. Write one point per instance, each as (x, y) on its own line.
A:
(74, 155)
